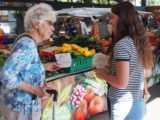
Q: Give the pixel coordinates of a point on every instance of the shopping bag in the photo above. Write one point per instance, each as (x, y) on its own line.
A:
(62, 112)
(48, 110)
(2, 117)
(36, 108)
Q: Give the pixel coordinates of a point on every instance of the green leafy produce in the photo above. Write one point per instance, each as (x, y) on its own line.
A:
(92, 39)
(59, 86)
(90, 79)
(62, 112)
(3, 59)
(79, 38)
(65, 93)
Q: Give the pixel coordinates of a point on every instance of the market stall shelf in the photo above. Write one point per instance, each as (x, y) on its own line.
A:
(66, 74)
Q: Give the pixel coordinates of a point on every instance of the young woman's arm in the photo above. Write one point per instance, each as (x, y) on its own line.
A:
(122, 75)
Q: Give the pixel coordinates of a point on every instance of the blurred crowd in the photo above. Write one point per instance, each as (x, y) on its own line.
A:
(92, 27)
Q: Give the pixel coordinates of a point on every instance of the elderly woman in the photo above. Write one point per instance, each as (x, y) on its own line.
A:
(23, 74)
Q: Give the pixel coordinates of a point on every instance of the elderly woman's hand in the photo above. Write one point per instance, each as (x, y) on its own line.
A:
(52, 66)
(41, 92)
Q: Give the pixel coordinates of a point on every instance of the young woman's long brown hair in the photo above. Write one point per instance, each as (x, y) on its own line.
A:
(130, 24)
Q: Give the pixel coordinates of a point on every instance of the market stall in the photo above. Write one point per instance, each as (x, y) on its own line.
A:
(155, 77)
(77, 85)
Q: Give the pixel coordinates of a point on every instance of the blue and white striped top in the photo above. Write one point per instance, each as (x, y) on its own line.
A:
(125, 50)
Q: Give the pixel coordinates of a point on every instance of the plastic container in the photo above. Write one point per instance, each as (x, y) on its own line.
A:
(79, 64)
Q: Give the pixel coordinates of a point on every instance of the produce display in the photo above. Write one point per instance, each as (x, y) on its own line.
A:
(77, 96)
(75, 50)
(47, 55)
(155, 77)
(85, 99)
(81, 40)
(153, 41)
(96, 105)
(81, 112)
(3, 58)
(85, 41)
(82, 58)
(89, 95)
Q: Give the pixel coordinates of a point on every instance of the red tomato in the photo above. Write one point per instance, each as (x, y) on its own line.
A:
(89, 95)
(81, 112)
(96, 105)
(74, 48)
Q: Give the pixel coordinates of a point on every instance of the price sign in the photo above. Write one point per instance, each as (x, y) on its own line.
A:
(64, 60)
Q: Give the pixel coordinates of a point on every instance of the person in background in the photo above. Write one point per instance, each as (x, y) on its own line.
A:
(108, 18)
(81, 27)
(103, 29)
(70, 28)
(58, 28)
(23, 74)
(152, 24)
(95, 30)
(145, 21)
(131, 61)
(1, 35)
(74, 22)
(157, 18)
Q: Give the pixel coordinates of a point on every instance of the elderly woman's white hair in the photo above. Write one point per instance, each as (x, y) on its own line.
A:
(37, 14)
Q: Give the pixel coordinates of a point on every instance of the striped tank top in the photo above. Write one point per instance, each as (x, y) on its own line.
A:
(125, 50)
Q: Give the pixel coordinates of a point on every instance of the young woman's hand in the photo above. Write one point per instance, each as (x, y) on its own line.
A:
(101, 73)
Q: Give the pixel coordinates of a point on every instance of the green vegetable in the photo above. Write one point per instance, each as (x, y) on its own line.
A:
(3, 59)
(59, 86)
(65, 93)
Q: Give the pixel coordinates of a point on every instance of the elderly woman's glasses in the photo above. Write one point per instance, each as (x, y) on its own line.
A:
(50, 23)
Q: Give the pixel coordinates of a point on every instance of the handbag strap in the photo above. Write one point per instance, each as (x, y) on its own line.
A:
(23, 35)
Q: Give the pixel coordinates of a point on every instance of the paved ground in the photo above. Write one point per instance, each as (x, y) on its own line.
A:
(153, 104)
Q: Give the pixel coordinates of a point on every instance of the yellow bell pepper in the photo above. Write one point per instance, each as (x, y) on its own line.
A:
(86, 53)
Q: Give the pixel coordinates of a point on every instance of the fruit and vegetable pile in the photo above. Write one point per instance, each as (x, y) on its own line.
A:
(81, 40)
(75, 50)
(153, 41)
(155, 76)
(82, 58)
(85, 98)
(85, 41)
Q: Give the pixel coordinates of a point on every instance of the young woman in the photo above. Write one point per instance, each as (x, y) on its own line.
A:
(131, 56)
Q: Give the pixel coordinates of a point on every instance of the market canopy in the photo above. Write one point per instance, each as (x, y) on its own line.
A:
(88, 11)
(84, 11)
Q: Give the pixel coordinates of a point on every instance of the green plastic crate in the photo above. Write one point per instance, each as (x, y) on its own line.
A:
(79, 64)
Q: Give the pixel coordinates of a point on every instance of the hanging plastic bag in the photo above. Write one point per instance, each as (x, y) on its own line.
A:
(62, 112)
(48, 110)
(2, 117)
(36, 108)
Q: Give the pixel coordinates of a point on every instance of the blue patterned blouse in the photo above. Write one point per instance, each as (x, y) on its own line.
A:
(23, 65)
